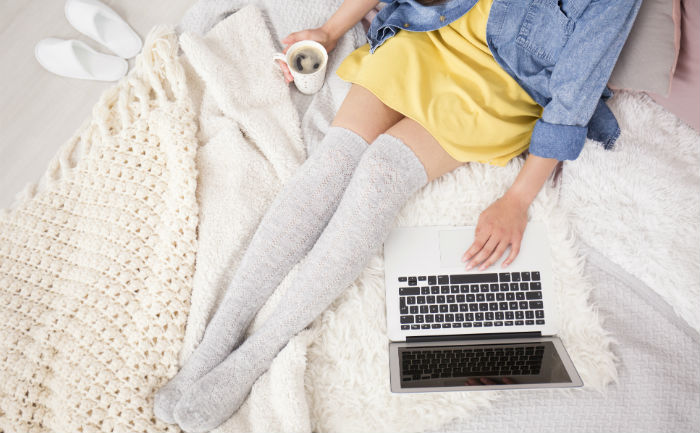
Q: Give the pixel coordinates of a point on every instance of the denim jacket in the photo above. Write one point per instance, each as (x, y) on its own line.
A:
(561, 52)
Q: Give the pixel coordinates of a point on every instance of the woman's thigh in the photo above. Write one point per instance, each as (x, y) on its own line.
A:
(434, 158)
(365, 114)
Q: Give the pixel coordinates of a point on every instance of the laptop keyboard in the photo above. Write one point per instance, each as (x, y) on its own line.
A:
(464, 362)
(471, 300)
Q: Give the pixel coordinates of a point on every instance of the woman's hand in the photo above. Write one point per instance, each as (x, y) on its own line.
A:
(501, 224)
(319, 35)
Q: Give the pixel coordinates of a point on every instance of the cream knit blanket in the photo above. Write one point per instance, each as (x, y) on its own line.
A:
(96, 263)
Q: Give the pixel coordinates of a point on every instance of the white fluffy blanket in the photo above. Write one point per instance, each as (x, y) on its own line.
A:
(334, 375)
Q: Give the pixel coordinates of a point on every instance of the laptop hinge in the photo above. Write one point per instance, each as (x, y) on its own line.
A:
(499, 336)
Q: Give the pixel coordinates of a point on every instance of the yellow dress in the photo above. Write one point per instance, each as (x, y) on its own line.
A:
(448, 81)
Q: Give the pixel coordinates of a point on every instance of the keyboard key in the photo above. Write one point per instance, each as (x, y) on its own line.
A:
(539, 321)
(519, 315)
(439, 317)
(535, 276)
(473, 278)
(520, 296)
(443, 308)
(413, 309)
(464, 288)
(406, 319)
(525, 276)
(474, 307)
(529, 314)
(490, 297)
(466, 325)
(415, 326)
(510, 315)
(524, 286)
(421, 278)
(444, 289)
(409, 291)
(504, 277)
(480, 297)
(426, 326)
(471, 298)
(456, 325)
(536, 286)
(454, 289)
(510, 296)
(500, 296)
(479, 316)
(509, 323)
(533, 295)
(446, 325)
(461, 298)
(411, 300)
(514, 287)
(477, 324)
(536, 305)
(425, 290)
(469, 317)
(523, 305)
(529, 322)
(420, 300)
(424, 309)
(499, 323)
(483, 306)
(429, 318)
(519, 323)
(412, 281)
(463, 307)
(539, 314)
(503, 306)
(493, 306)
(494, 287)
(488, 315)
(432, 280)
(515, 276)
(443, 279)
(405, 327)
(403, 279)
(420, 318)
(435, 326)
(403, 309)
(434, 290)
(449, 317)
(484, 288)
(441, 299)
(450, 299)
(504, 287)
(459, 317)
(434, 309)
(488, 324)
(474, 288)
(453, 308)
(499, 315)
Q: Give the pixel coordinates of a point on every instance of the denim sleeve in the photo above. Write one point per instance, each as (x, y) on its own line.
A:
(580, 76)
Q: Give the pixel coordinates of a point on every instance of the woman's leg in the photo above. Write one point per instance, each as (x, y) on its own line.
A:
(394, 167)
(285, 234)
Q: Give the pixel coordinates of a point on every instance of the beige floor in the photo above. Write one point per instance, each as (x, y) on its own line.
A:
(39, 110)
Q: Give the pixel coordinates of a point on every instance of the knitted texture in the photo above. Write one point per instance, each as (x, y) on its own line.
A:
(96, 263)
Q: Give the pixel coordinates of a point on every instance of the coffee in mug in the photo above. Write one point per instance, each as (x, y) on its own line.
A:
(306, 60)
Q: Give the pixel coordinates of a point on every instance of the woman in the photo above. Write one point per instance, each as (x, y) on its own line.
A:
(465, 81)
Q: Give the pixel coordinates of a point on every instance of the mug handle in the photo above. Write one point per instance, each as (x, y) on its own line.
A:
(280, 56)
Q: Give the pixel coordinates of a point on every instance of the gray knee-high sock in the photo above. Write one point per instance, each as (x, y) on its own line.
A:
(388, 174)
(287, 231)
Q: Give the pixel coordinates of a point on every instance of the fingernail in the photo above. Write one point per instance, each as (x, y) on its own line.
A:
(482, 267)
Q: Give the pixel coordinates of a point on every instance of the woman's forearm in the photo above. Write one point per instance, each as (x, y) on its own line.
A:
(532, 176)
(348, 14)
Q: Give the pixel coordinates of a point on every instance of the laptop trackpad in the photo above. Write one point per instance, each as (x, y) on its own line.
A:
(453, 244)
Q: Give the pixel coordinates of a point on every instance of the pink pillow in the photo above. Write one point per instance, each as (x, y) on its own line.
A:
(684, 98)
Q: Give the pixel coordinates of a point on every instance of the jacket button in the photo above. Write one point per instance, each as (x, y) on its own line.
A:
(442, 17)
(405, 25)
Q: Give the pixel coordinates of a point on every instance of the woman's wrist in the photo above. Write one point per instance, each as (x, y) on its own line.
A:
(530, 180)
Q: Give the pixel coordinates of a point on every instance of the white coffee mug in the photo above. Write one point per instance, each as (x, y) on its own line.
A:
(306, 83)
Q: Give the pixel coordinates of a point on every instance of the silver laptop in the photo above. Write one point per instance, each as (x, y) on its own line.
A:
(457, 330)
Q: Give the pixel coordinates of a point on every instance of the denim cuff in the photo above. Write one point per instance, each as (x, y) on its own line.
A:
(561, 142)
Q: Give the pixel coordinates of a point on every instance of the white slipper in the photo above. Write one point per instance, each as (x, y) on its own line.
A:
(99, 22)
(74, 59)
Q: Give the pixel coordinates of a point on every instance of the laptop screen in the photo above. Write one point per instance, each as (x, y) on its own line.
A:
(480, 365)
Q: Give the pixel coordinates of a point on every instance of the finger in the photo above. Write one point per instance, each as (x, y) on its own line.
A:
(486, 251)
(472, 382)
(514, 250)
(295, 37)
(507, 380)
(285, 71)
(487, 381)
(498, 252)
(481, 236)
